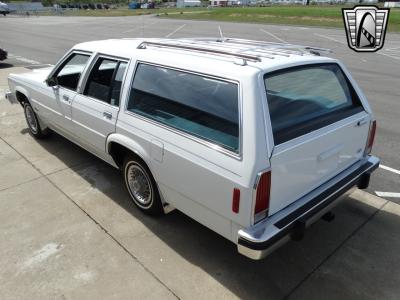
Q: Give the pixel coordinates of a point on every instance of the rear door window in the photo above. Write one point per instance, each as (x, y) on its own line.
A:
(201, 106)
(303, 99)
(105, 80)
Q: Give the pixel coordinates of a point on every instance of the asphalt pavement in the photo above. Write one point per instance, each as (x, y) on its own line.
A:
(69, 231)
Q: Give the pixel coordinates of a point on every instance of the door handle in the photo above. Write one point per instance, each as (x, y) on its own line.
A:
(107, 115)
(65, 98)
(362, 122)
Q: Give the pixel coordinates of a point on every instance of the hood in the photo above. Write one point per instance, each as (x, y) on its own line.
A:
(38, 75)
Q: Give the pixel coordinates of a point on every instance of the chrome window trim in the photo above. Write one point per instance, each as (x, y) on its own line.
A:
(93, 61)
(237, 155)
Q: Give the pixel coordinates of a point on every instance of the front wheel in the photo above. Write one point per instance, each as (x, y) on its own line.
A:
(141, 186)
(33, 123)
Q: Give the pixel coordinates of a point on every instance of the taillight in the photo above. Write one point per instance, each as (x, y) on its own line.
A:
(371, 137)
(236, 200)
(262, 196)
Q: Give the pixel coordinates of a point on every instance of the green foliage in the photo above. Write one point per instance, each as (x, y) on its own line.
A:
(312, 15)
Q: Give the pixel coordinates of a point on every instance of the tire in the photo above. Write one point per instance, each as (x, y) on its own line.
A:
(141, 186)
(33, 123)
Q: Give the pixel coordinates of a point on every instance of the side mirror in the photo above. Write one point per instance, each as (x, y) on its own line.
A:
(51, 81)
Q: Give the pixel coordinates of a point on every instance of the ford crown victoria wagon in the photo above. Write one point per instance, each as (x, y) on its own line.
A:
(254, 140)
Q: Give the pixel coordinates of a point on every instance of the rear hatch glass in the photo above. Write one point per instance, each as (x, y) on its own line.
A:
(306, 98)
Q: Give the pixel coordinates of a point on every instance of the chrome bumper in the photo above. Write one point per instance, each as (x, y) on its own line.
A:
(11, 97)
(259, 240)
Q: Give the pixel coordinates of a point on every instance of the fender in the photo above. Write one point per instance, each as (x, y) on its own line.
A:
(22, 90)
(142, 153)
(43, 123)
(131, 145)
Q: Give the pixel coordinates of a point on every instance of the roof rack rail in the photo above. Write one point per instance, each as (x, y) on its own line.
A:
(281, 46)
(245, 57)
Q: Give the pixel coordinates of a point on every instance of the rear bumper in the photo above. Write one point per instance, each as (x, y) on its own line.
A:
(263, 238)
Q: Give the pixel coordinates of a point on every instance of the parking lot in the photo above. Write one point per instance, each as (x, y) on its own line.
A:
(68, 229)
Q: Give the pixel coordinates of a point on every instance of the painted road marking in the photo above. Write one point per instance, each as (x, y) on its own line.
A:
(23, 59)
(220, 32)
(389, 169)
(274, 36)
(391, 56)
(335, 40)
(387, 194)
(175, 31)
(329, 38)
(139, 28)
(393, 49)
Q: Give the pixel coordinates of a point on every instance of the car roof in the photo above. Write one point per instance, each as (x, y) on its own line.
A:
(226, 57)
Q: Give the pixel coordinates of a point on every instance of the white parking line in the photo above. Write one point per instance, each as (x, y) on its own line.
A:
(338, 41)
(175, 31)
(138, 28)
(391, 56)
(387, 194)
(329, 38)
(23, 59)
(389, 169)
(393, 49)
(274, 36)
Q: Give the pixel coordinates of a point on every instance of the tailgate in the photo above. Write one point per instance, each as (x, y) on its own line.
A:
(320, 128)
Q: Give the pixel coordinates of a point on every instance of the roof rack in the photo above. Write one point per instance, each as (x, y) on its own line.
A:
(246, 57)
(272, 44)
(245, 50)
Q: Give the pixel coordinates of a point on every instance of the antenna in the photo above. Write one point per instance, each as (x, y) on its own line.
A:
(221, 34)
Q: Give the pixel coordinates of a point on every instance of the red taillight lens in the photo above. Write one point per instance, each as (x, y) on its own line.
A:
(263, 193)
(236, 200)
(371, 137)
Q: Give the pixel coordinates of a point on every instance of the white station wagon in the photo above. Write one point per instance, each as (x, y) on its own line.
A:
(254, 140)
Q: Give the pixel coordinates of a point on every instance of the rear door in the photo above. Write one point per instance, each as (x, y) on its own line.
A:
(95, 110)
(319, 126)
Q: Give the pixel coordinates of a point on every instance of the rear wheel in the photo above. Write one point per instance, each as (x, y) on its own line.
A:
(33, 123)
(141, 186)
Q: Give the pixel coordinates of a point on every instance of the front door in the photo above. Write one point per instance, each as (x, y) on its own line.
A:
(61, 95)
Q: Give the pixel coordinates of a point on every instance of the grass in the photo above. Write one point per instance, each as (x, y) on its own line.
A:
(322, 16)
(326, 16)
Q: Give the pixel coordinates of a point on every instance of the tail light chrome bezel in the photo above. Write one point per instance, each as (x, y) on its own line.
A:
(255, 218)
(371, 137)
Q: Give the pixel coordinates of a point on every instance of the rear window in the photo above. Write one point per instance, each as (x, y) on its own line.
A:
(201, 106)
(303, 99)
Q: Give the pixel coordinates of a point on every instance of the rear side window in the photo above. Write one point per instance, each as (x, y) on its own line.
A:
(105, 80)
(204, 107)
(303, 99)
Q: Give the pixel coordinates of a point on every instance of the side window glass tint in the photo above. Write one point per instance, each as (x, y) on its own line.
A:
(117, 84)
(99, 82)
(200, 106)
(70, 72)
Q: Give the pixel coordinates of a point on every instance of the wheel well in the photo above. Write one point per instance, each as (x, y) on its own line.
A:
(119, 152)
(21, 98)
